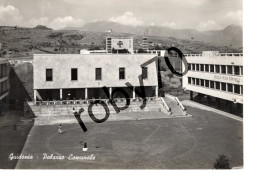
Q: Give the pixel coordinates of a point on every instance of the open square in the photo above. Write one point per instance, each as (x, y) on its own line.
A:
(174, 143)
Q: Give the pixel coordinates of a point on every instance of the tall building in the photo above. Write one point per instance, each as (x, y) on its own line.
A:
(217, 76)
(119, 45)
(4, 84)
(145, 45)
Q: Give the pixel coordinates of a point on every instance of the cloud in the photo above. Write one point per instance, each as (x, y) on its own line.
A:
(57, 23)
(10, 16)
(68, 21)
(169, 24)
(234, 17)
(127, 18)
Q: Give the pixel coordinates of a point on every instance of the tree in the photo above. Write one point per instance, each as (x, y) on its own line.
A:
(222, 162)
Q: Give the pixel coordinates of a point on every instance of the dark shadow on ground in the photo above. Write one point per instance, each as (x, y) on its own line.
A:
(13, 136)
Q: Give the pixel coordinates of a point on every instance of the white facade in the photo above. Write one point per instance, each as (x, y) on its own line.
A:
(119, 43)
(86, 65)
(215, 74)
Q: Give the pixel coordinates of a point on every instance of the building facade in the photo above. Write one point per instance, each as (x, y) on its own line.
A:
(119, 45)
(216, 76)
(82, 76)
(4, 84)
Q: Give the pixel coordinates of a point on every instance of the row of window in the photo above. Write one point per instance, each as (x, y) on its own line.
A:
(223, 69)
(227, 87)
(98, 74)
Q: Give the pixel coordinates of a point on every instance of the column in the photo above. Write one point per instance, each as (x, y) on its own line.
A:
(133, 92)
(191, 95)
(60, 94)
(110, 93)
(156, 91)
(34, 94)
(86, 93)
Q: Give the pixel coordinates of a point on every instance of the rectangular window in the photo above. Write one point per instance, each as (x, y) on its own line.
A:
(241, 89)
(207, 83)
(197, 67)
(236, 70)
(201, 82)
(193, 81)
(212, 84)
(223, 86)
(206, 67)
(202, 67)
(218, 85)
(189, 80)
(211, 68)
(193, 66)
(230, 87)
(223, 69)
(49, 75)
(98, 73)
(144, 72)
(237, 89)
(189, 66)
(241, 70)
(197, 81)
(122, 73)
(74, 74)
(217, 68)
(229, 70)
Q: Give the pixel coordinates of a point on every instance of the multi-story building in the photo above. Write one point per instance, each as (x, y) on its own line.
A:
(145, 45)
(4, 84)
(82, 76)
(119, 45)
(218, 76)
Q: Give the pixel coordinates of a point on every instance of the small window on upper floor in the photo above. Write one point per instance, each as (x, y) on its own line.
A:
(98, 73)
(236, 70)
(197, 67)
(206, 68)
(121, 73)
(144, 72)
(229, 70)
(217, 69)
(49, 76)
(211, 68)
(202, 67)
(189, 66)
(223, 69)
(74, 74)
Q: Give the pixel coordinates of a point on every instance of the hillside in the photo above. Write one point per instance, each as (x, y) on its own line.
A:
(231, 35)
(24, 42)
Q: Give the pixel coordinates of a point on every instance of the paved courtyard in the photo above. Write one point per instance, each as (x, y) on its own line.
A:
(177, 143)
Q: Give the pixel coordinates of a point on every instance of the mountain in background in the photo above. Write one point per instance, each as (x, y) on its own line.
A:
(232, 35)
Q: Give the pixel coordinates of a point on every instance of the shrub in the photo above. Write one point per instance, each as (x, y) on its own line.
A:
(222, 162)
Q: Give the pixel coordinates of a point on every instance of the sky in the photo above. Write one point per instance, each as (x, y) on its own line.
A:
(177, 14)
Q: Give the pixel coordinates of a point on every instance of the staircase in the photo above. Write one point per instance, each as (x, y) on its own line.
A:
(63, 109)
(177, 109)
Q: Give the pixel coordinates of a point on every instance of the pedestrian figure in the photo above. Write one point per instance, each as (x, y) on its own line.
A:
(60, 130)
